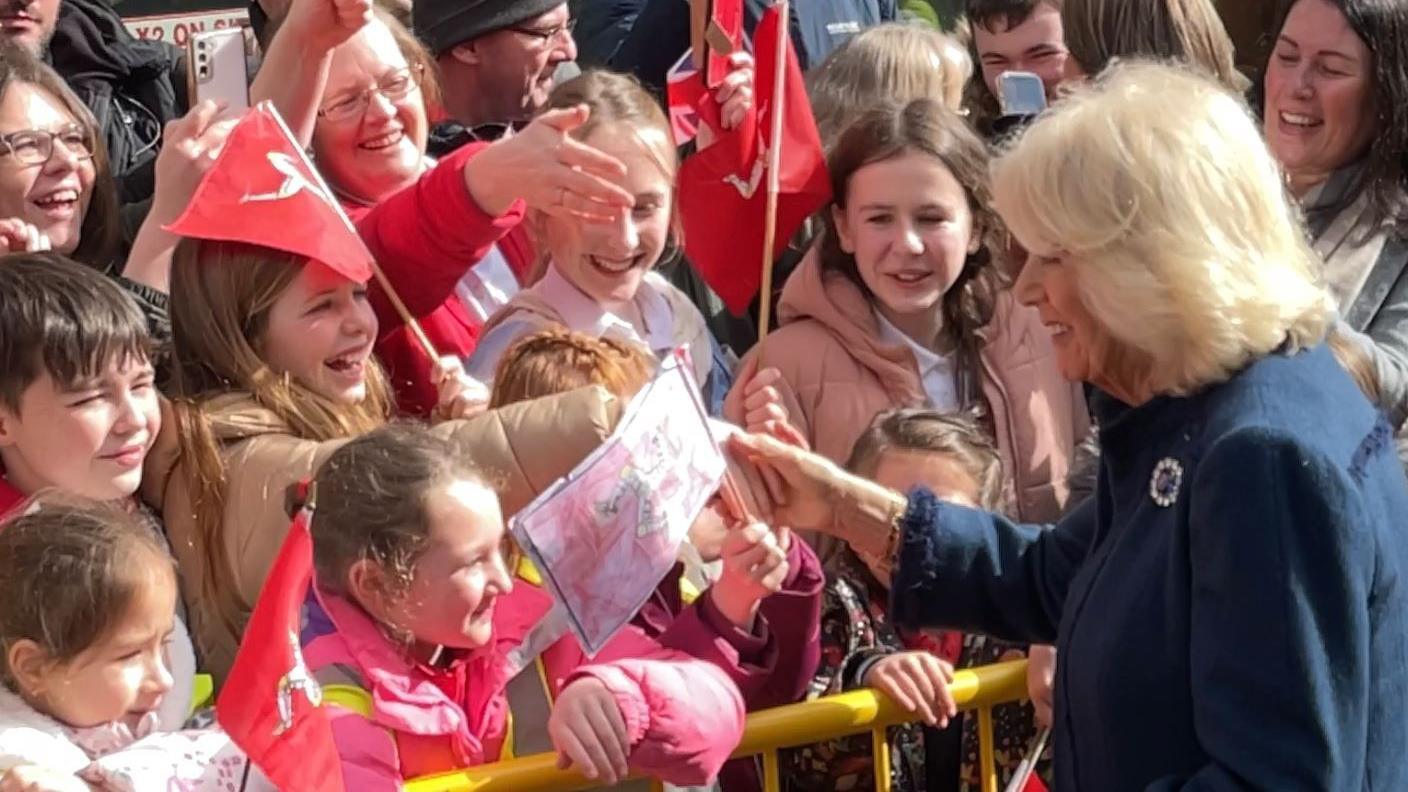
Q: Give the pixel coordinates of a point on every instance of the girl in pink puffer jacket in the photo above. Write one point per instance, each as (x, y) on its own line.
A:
(414, 617)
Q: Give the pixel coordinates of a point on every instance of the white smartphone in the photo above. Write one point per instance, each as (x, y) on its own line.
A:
(218, 68)
(1020, 93)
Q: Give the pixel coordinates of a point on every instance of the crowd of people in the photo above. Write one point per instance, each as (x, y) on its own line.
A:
(1119, 387)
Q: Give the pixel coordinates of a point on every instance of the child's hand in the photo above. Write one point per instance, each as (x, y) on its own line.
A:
(735, 98)
(33, 778)
(756, 400)
(190, 145)
(1041, 675)
(588, 732)
(917, 681)
(735, 93)
(754, 567)
(460, 395)
(17, 236)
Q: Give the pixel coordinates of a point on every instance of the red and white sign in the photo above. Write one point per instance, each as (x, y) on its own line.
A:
(177, 28)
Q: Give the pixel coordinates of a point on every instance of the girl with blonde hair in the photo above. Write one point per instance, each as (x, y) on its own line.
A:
(1229, 607)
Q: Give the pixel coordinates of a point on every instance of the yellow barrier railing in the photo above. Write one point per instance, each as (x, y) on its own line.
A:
(767, 731)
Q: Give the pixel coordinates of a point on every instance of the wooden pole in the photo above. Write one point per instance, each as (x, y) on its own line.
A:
(778, 108)
(390, 291)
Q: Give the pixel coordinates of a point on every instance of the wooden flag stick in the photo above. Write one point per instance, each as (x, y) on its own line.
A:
(401, 310)
(779, 77)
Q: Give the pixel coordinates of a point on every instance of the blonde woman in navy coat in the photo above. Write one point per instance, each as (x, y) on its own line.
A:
(1230, 608)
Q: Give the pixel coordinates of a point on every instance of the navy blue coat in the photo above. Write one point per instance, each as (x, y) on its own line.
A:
(1237, 620)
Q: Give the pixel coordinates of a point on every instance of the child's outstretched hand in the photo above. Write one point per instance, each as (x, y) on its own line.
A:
(33, 778)
(588, 732)
(755, 566)
(917, 681)
(459, 395)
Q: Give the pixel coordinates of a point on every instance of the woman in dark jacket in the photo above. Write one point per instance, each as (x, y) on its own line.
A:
(1230, 607)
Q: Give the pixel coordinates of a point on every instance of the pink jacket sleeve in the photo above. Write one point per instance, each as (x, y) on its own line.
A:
(684, 715)
(367, 753)
(426, 236)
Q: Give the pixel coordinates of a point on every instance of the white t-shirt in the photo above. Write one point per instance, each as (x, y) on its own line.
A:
(936, 372)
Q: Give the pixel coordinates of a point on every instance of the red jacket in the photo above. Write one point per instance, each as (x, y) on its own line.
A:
(10, 498)
(426, 237)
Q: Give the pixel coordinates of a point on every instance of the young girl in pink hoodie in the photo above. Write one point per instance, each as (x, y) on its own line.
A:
(415, 615)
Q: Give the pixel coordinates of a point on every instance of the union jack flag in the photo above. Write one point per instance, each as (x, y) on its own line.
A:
(684, 87)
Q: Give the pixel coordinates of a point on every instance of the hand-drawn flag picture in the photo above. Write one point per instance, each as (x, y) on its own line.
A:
(605, 535)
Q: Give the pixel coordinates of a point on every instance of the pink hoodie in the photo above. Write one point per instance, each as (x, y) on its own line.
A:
(683, 716)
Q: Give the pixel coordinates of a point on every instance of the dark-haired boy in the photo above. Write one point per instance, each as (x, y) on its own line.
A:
(1014, 35)
(78, 407)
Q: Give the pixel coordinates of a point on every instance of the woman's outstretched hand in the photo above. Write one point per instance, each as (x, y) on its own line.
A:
(802, 487)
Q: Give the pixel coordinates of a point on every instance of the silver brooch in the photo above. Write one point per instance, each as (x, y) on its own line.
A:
(1164, 484)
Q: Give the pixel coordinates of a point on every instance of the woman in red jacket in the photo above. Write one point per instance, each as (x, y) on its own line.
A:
(358, 86)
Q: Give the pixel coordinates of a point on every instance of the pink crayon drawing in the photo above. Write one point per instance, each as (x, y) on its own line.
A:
(605, 535)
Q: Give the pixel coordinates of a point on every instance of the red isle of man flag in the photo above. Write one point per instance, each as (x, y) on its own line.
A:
(262, 190)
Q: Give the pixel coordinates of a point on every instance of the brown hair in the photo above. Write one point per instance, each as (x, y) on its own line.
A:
(1356, 362)
(1189, 32)
(894, 61)
(99, 235)
(925, 126)
(953, 435)
(60, 317)
(559, 360)
(69, 571)
(371, 498)
(415, 54)
(221, 293)
(618, 99)
(993, 16)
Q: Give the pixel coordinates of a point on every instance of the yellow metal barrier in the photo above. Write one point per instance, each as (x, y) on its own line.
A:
(782, 727)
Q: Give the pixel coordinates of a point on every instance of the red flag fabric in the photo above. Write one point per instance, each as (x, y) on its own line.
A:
(723, 189)
(262, 190)
(726, 19)
(270, 704)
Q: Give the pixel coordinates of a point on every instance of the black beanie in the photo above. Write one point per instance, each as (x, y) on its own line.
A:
(442, 24)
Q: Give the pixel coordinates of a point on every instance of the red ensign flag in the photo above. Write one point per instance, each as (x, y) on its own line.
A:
(723, 189)
(262, 190)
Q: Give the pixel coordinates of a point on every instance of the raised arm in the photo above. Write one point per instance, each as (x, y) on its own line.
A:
(295, 68)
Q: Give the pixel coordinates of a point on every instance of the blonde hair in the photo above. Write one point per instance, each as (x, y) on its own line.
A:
(1187, 31)
(897, 62)
(1183, 241)
(221, 293)
(558, 360)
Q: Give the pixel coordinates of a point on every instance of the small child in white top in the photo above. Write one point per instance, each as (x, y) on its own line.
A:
(87, 602)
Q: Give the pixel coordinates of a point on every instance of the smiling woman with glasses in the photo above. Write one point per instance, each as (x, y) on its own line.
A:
(445, 231)
(54, 173)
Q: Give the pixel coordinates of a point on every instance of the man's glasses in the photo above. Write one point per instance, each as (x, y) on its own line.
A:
(546, 36)
(394, 86)
(36, 146)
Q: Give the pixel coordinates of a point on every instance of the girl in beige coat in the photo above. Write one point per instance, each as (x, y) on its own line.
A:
(901, 304)
(272, 374)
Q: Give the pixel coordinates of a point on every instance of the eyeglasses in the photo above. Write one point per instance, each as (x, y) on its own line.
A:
(546, 36)
(394, 86)
(36, 146)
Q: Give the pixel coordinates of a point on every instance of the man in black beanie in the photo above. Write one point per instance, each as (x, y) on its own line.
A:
(497, 59)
